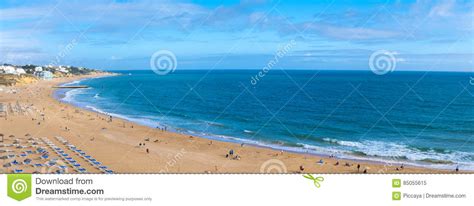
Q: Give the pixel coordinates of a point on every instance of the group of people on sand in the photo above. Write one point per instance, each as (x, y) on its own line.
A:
(232, 155)
(163, 129)
(401, 167)
(321, 161)
(142, 145)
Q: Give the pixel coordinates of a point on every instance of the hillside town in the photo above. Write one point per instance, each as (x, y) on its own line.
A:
(13, 74)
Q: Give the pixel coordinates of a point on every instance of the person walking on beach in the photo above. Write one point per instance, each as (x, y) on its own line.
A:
(358, 167)
(147, 151)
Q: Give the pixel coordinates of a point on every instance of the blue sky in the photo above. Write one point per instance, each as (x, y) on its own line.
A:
(327, 34)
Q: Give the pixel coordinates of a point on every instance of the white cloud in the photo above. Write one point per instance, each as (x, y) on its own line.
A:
(349, 33)
(443, 9)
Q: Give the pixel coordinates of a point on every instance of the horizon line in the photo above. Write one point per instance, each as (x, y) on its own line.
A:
(252, 69)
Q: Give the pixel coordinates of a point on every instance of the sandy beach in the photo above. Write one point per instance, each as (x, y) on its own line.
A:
(37, 120)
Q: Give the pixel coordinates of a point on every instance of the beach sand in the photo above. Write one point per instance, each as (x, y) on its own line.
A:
(115, 144)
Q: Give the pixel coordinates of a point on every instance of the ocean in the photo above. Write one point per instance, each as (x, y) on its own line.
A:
(418, 118)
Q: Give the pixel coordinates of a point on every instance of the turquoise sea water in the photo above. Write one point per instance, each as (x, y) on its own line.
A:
(412, 117)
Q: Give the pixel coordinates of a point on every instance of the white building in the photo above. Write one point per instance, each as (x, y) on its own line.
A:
(38, 69)
(20, 71)
(63, 69)
(46, 75)
(8, 69)
(12, 70)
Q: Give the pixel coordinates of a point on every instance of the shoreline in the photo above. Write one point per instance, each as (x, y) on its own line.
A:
(183, 153)
(238, 140)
